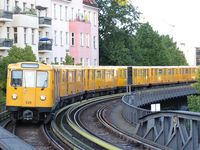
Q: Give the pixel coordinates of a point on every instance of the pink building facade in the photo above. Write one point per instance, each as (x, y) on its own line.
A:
(80, 42)
(83, 34)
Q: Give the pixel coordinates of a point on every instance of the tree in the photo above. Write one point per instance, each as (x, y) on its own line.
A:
(152, 49)
(194, 100)
(69, 60)
(117, 23)
(15, 55)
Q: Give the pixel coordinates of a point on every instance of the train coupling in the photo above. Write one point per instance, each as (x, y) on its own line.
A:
(27, 115)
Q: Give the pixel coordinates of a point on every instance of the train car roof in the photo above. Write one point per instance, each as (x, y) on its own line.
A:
(30, 66)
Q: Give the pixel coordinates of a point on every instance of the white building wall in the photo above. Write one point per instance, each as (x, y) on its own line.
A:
(59, 24)
(189, 52)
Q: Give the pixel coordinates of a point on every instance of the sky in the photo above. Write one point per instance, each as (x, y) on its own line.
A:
(178, 18)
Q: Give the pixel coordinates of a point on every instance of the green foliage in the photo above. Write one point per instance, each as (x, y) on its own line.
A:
(15, 55)
(152, 49)
(124, 41)
(194, 101)
(69, 60)
(117, 23)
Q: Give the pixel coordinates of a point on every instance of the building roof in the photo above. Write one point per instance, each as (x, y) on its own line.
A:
(90, 3)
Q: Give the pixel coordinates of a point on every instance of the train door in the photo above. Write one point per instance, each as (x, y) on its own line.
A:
(91, 79)
(28, 89)
(104, 84)
(98, 79)
(44, 89)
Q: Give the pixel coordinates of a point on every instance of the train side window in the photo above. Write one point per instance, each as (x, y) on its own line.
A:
(135, 72)
(93, 74)
(160, 71)
(112, 74)
(103, 74)
(169, 71)
(156, 72)
(120, 73)
(98, 74)
(164, 72)
(70, 76)
(63, 76)
(66, 75)
(42, 79)
(186, 71)
(144, 72)
(125, 73)
(74, 75)
(172, 71)
(16, 78)
(78, 76)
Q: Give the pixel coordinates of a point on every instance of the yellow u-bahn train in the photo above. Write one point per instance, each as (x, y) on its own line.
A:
(34, 90)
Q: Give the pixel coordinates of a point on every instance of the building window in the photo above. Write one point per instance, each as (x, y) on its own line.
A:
(40, 59)
(40, 34)
(89, 16)
(81, 39)
(8, 33)
(46, 12)
(66, 38)
(55, 60)
(61, 60)
(15, 35)
(47, 34)
(95, 62)
(95, 19)
(72, 17)
(25, 30)
(82, 61)
(55, 37)
(47, 60)
(54, 8)
(94, 42)
(33, 36)
(7, 5)
(66, 14)
(88, 62)
(87, 40)
(32, 6)
(61, 39)
(16, 3)
(24, 7)
(60, 12)
(72, 44)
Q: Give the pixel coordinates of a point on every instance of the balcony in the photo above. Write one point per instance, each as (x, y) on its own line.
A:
(6, 16)
(44, 22)
(6, 44)
(45, 46)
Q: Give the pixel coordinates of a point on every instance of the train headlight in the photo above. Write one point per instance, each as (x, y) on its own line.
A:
(42, 97)
(14, 96)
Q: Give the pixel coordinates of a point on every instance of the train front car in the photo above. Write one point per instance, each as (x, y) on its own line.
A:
(29, 93)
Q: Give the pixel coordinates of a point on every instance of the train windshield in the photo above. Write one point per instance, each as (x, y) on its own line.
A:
(30, 78)
(16, 78)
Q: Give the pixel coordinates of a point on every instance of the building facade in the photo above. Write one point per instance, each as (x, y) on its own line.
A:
(53, 28)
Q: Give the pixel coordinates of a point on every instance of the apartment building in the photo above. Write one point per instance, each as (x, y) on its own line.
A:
(53, 28)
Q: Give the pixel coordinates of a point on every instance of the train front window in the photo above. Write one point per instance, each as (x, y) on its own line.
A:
(16, 78)
(42, 78)
(29, 78)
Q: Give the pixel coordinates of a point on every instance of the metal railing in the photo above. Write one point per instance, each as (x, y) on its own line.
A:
(6, 14)
(45, 46)
(173, 129)
(45, 20)
(6, 42)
